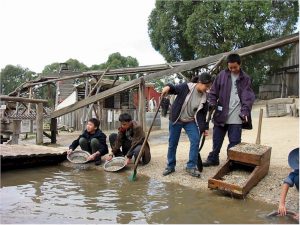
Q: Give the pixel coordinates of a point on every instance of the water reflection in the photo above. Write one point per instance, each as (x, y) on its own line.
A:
(66, 195)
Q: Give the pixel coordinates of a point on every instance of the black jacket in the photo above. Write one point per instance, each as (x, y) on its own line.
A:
(98, 134)
(182, 91)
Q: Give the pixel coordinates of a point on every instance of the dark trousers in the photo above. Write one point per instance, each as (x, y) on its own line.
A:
(126, 146)
(91, 147)
(234, 134)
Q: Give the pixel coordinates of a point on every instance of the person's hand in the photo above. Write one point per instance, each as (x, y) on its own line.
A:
(165, 91)
(109, 157)
(92, 157)
(69, 151)
(281, 209)
(211, 107)
(244, 118)
(127, 161)
(205, 133)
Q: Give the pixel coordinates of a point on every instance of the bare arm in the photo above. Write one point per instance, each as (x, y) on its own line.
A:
(281, 207)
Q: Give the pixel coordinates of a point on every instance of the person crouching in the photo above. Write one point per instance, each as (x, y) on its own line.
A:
(92, 140)
(129, 140)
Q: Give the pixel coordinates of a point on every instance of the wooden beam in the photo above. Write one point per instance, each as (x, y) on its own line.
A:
(20, 99)
(271, 44)
(39, 124)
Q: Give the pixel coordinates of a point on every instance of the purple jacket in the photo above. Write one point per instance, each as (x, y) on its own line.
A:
(219, 95)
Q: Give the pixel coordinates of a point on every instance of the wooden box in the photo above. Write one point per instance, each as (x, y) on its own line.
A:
(251, 161)
(250, 153)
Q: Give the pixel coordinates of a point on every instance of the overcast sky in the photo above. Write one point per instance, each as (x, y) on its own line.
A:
(35, 33)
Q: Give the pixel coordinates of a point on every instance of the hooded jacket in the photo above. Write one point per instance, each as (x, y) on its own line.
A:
(98, 135)
(183, 92)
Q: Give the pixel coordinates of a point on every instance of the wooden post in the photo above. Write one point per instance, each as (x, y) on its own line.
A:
(84, 108)
(39, 123)
(16, 132)
(142, 115)
(53, 129)
(258, 141)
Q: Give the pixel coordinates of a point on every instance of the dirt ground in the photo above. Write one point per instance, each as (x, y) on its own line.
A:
(281, 133)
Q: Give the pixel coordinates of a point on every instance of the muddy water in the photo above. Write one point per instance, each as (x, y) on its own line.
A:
(65, 195)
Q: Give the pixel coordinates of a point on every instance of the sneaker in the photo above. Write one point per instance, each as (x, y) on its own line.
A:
(209, 163)
(168, 171)
(194, 172)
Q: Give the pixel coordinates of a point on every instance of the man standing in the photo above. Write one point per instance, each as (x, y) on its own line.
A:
(232, 97)
(189, 113)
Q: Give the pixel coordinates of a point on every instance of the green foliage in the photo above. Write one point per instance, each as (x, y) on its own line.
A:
(116, 60)
(185, 30)
(13, 76)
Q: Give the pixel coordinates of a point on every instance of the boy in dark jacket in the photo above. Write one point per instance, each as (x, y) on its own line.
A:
(188, 112)
(130, 138)
(232, 98)
(93, 140)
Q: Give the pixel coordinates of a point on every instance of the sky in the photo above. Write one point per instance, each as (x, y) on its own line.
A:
(36, 33)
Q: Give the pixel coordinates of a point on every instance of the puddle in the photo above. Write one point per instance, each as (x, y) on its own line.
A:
(64, 195)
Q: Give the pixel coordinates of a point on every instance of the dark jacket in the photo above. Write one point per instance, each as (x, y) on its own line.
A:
(183, 92)
(137, 138)
(98, 134)
(219, 95)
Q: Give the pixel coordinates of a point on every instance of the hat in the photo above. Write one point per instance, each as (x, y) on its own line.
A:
(293, 159)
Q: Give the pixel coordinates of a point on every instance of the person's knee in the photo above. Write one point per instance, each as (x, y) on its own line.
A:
(94, 142)
(82, 141)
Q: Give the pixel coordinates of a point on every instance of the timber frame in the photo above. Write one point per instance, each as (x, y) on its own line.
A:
(146, 74)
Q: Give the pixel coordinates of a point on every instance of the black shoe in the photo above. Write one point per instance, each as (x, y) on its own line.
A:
(208, 163)
(98, 161)
(168, 171)
(194, 172)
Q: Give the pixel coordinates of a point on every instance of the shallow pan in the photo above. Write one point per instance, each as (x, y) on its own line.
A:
(78, 156)
(114, 165)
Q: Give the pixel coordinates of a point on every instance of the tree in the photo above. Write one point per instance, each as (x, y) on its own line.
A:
(185, 30)
(13, 76)
(116, 61)
(73, 65)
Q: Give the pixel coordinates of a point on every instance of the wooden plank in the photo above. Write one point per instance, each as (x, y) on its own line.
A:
(222, 170)
(256, 176)
(281, 101)
(20, 99)
(223, 186)
(186, 67)
(39, 123)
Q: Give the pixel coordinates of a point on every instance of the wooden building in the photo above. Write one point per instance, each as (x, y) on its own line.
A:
(285, 82)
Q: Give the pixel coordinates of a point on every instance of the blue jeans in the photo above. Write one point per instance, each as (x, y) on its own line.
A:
(234, 135)
(194, 136)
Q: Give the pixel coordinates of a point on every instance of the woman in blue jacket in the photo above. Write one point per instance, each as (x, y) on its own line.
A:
(188, 112)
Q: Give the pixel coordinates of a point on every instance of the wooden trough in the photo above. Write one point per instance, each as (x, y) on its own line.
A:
(246, 165)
